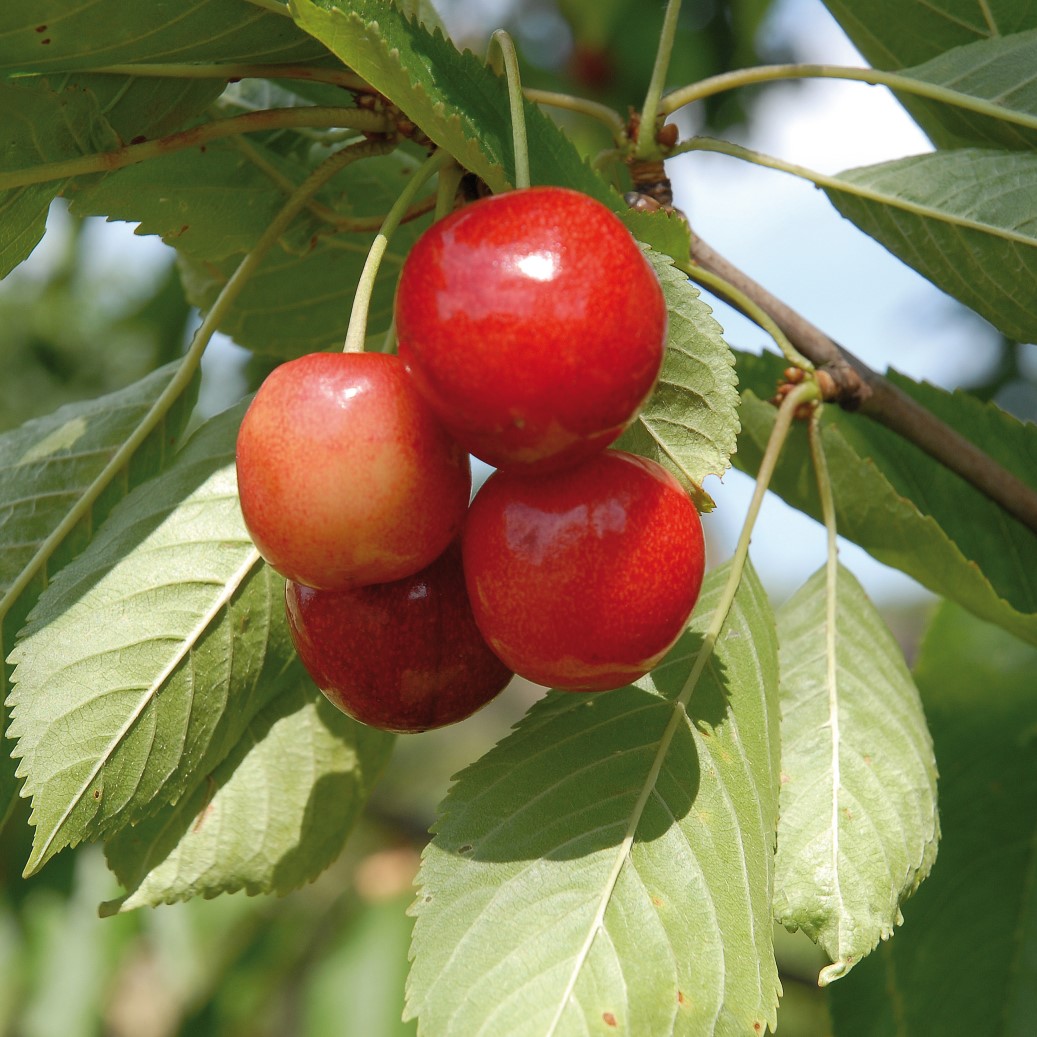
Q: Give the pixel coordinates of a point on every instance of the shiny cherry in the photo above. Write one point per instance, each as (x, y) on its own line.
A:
(402, 656)
(583, 579)
(533, 324)
(345, 475)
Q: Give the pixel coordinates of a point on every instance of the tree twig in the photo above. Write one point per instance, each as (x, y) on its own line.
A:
(858, 387)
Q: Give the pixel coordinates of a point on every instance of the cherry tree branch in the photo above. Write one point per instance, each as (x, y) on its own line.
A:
(858, 387)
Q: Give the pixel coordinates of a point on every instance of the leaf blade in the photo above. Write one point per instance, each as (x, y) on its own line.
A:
(956, 217)
(548, 856)
(47, 466)
(109, 717)
(272, 815)
(690, 423)
(962, 964)
(858, 827)
(906, 509)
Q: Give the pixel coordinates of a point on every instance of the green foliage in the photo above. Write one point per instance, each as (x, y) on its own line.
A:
(963, 965)
(613, 857)
(858, 825)
(616, 862)
(905, 508)
(970, 209)
(690, 423)
(995, 70)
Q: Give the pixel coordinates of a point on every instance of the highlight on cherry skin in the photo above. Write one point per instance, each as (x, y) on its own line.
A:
(583, 579)
(404, 656)
(533, 324)
(345, 475)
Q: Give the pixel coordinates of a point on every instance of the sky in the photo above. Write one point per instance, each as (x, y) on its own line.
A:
(783, 232)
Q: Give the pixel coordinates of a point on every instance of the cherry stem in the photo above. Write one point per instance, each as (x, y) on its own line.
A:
(274, 118)
(873, 77)
(356, 333)
(645, 147)
(594, 109)
(732, 294)
(802, 393)
(446, 189)
(185, 372)
(506, 46)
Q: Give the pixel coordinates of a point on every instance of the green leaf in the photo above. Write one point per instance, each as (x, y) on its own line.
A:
(999, 70)
(963, 219)
(146, 656)
(858, 824)
(463, 107)
(963, 964)
(43, 35)
(208, 204)
(896, 33)
(272, 815)
(453, 97)
(690, 424)
(48, 119)
(46, 467)
(609, 864)
(905, 508)
(300, 297)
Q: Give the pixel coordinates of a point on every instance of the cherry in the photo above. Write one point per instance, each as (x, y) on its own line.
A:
(534, 325)
(345, 475)
(583, 579)
(402, 656)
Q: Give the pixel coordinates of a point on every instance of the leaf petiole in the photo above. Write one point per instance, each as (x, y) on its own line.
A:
(872, 76)
(251, 122)
(748, 306)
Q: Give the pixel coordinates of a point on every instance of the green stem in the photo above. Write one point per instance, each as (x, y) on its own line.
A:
(237, 70)
(645, 147)
(874, 77)
(594, 109)
(679, 715)
(274, 118)
(782, 423)
(356, 333)
(824, 485)
(346, 224)
(835, 183)
(750, 308)
(184, 374)
(506, 46)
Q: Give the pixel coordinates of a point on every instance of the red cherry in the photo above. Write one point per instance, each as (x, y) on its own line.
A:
(345, 475)
(402, 656)
(534, 325)
(583, 579)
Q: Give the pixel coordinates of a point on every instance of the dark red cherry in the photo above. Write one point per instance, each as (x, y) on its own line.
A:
(402, 656)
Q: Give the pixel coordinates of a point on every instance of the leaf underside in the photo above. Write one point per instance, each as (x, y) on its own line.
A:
(905, 508)
(858, 824)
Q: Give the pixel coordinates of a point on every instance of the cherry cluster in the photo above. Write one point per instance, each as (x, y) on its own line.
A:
(531, 331)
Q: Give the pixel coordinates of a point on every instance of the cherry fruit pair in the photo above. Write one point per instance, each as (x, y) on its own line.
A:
(531, 330)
